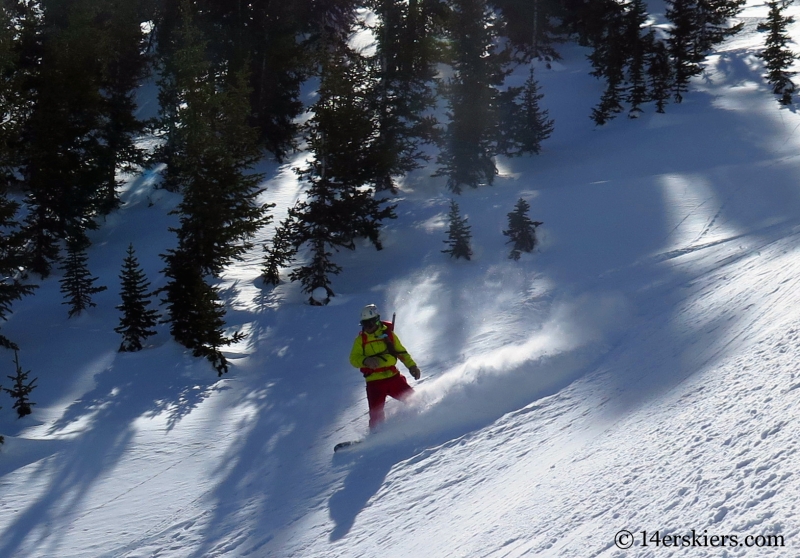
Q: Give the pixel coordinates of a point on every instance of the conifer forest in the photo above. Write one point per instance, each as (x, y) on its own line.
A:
(431, 91)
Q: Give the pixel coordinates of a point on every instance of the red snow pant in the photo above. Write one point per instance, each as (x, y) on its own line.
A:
(377, 391)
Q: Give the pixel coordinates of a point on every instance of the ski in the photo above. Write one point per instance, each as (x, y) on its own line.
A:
(342, 445)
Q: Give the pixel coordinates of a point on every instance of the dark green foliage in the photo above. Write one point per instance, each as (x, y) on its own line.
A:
(778, 58)
(526, 125)
(340, 205)
(316, 273)
(638, 68)
(12, 260)
(521, 230)
(640, 46)
(273, 41)
(279, 253)
(659, 75)
(713, 21)
(697, 26)
(215, 151)
(196, 313)
(11, 105)
(623, 49)
(681, 44)
(220, 211)
(77, 283)
(124, 66)
(12, 242)
(59, 81)
(458, 234)
(78, 64)
(473, 96)
(21, 389)
(182, 67)
(332, 217)
(609, 59)
(531, 26)
(402, 89)
(137, 320)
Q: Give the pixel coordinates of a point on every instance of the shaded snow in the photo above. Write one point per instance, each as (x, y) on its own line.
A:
(638, 372)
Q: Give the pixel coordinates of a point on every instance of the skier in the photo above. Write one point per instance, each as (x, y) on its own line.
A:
(375, 352)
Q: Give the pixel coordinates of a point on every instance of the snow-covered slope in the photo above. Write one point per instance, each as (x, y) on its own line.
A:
(636, 374)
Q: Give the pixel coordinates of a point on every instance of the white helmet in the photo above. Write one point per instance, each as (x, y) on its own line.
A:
(369, 312)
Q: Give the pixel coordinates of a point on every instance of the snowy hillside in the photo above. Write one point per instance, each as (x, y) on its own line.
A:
(638, 373)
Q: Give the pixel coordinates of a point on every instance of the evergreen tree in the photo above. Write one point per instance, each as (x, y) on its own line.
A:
(12, 242)
(639, 48)
(339, 205)
(123, 66)
(196, 313)
(659, 75)
(22, 389)
(220, 212)
(137, 320)
(12, 260)
(521, 230)
(609, 59)
(316, 273)
(273, 40)
(182, 65)
(778, 58)
(526, 125)
(458, 234)
(714, 22)
(279, 253)
(77, 282)
(281, 63)
(61, 148)
(530, 26)
(697, 26)
(402, 88)
(626, 55)
(473, 96)
(78, 64)
(681, 44)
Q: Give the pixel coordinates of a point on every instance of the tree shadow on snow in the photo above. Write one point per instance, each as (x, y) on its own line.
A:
(131, 387)
(730, 198)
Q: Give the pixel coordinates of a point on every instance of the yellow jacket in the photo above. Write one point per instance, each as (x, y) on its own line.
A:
(375, 344)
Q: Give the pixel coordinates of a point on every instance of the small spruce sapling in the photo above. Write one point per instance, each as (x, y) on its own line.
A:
(778, 57)
(21, 390)
(280, 252)
(137, 320)
(534, 126)
(521, 230)
(77, 281)
(458, 234)
(196, 313)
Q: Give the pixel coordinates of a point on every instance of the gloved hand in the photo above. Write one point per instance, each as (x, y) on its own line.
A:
(372, 362)
(415, 372)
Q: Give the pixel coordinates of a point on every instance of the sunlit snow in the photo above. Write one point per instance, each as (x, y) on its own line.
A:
(637, 372)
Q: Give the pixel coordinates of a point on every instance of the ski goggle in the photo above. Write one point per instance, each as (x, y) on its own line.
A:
(369, 322)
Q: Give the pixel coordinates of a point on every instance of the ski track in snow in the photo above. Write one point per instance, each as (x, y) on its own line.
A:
(638, 372)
